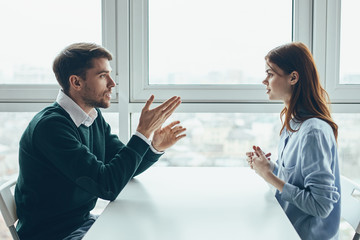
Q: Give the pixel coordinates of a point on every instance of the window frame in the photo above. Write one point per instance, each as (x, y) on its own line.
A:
(326, 51)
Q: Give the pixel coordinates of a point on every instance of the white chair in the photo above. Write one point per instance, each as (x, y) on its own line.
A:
(350, 204)
(7, 206)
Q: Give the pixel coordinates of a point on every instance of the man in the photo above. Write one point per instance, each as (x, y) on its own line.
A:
(68, 156)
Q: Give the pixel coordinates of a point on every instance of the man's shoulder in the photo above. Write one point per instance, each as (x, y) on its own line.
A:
(52, 113)
(47, 121)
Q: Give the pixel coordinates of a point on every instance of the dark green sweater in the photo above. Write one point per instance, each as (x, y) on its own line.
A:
(64, 169)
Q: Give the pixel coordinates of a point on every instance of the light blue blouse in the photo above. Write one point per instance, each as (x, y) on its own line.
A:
(308, 163)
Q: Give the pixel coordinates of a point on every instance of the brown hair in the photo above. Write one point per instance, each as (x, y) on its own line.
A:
(309, 99)
(76, 59)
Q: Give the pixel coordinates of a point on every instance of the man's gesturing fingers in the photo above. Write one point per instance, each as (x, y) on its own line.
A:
(152, 119)
(148, 103)
(169, 106)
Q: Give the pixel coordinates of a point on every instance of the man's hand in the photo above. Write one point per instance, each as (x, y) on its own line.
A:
(166, 137)
(151, 120)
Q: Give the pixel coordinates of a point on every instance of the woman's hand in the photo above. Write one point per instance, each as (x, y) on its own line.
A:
(260, 162)
(251, 155)
(249, 158)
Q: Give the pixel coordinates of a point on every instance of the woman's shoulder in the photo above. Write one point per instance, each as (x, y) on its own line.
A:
(315, 122)
(316, 125)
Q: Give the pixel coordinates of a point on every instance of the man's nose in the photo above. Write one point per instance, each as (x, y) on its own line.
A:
(111, 82)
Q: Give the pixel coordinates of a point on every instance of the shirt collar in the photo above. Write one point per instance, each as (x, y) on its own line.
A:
(75, 111)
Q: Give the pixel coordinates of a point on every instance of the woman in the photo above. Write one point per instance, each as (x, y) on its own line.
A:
(306, 174)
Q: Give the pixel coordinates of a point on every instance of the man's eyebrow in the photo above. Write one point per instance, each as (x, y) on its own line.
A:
(103, 71)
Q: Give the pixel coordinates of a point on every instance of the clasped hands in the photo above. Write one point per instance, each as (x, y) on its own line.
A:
(151, 121)
(259, 161)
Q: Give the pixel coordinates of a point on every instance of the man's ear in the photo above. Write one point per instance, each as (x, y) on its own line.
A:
(294, 77)
(75, 82)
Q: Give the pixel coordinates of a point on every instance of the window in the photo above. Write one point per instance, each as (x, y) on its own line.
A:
(212, 86)
(214, 42)
(336, 48)
(40, 34)
(209, 51)
(348, 136)
(12, 127)
(34, 32)
(349, 43)
(220, 139)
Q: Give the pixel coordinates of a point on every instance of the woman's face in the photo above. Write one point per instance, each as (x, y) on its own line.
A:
(278, 84)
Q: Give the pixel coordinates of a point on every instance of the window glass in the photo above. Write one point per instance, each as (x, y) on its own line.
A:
(349, 42)
(112, 118)
(348, 138)
(34, 32)
(214, 42)
(221, 139)
(12, 127)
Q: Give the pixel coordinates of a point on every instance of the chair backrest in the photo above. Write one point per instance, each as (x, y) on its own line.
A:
(7, 205)
(350, 204)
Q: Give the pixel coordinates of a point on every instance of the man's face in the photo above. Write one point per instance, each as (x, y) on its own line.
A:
(97, 86)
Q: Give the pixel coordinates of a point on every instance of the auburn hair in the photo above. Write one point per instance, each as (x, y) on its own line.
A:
(308, 99)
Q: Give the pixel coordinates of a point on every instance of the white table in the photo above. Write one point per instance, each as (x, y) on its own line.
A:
(166, 203)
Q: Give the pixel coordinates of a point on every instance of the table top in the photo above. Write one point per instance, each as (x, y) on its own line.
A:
(184, 203)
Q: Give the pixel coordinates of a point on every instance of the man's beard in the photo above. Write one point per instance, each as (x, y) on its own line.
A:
(94, 102)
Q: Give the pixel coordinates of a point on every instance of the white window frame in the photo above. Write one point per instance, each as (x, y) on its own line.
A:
(327, 32)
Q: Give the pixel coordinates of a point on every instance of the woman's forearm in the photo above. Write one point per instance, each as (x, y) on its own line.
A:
(275, 181)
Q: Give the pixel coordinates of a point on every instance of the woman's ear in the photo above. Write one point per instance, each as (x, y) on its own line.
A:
(75, 82)
(294, 77)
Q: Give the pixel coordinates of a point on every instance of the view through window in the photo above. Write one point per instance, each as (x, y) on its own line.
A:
(34, 32)
(222, 139)
(349, 42)
(214, 42)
